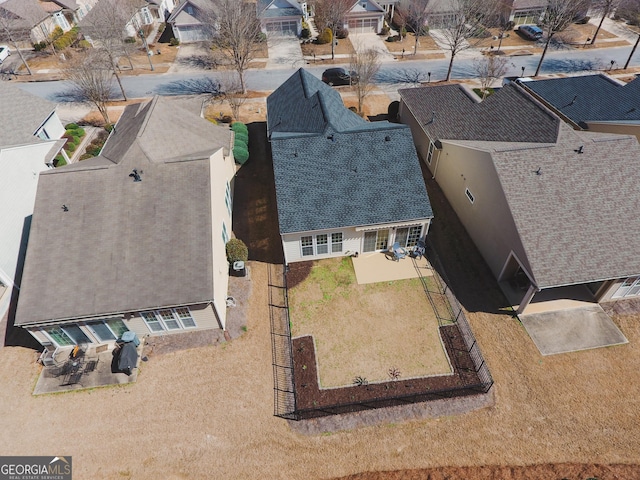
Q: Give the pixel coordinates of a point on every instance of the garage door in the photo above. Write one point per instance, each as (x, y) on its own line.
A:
(190, 33)
(285, 28)
(363, 25)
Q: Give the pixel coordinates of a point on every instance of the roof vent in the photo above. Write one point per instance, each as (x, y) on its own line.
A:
(433, 118)
(580, 149)
(65, 208)
(332, 138)
(538, 171)
(387, 138)
(136, 175)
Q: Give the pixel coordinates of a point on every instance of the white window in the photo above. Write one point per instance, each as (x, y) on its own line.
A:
(336, 242)
(430, 153)
(307, 245)
(169, 319)
(225, 235)
(322, 244)
(227, 198)
(146, 16)
(469, 195)
(61, 21)
(414, 236)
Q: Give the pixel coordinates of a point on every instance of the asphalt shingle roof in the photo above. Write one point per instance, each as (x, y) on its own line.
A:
(21, 115)
(453, 112)
(333, 169)
(122, 245)
(573, 218)
(590, 98)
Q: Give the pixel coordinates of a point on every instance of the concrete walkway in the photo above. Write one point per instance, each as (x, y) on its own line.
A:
(572, 329)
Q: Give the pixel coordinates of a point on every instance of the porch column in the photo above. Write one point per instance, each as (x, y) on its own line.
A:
(527, 298)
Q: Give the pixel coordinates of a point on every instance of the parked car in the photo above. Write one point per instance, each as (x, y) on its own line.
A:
(530, 32)
(4, 53)
(339, 76)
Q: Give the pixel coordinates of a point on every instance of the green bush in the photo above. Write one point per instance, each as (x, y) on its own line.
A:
(39, 46)
(342, 33)
(59, 161)
(239, 127)
(67, 39)
(241, 155)
(56, 34)
(70, 147)
(236, 250)
(71, 126)
(242, 136)
(84, 44)
(239, 144)
(305, 33)
(325, 37)
(174, 42)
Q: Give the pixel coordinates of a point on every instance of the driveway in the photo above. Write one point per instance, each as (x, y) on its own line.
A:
(572, 329)
(284, 52)
(362, 41)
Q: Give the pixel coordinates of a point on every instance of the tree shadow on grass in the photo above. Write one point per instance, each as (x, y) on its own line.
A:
(255, 212)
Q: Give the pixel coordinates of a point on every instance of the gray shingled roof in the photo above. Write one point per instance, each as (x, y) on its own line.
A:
(333, 169)
(574, 218)
(454, 112)
(21, 115)
(28, 13)
(285, 9)
(122, 245)
(590, 98)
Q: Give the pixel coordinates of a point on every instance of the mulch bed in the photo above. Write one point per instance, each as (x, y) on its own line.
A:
(313, 401)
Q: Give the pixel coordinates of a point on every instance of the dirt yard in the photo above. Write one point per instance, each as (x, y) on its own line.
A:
(208, 412)
(366, 330)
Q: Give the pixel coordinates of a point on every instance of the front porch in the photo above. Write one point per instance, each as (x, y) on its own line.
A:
(549, 300)
(380, 267)
(97, 367)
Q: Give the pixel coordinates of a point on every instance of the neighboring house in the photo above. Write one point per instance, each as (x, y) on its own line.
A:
(161, 9)
(280, 17)
(191, 21)
(592, 102)
(366, 16)
(133, 239)
(343, 185)
(138, 13)
(26, 21)
(60, 12)
(523, 12)
(29, 141)
(547, 206)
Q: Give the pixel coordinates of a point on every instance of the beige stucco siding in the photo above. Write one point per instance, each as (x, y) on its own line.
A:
(488, 219)
(607, 127)
(222, 170)
(420, 138)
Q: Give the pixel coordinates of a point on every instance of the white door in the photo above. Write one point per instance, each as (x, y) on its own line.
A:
(376, 241)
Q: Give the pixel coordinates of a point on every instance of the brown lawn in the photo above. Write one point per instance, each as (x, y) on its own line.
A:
(344, 47)
(366, 330)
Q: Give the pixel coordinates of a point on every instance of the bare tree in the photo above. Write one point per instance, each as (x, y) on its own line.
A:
(364, 63)
(557, 16)
(330, 14)
(462, 25)
(233, 94)
(401, 17)
(489, 68)
(13, 30)
(604, 8)
(106, 28)
(417, 13)
(235, 31)
(91, 77)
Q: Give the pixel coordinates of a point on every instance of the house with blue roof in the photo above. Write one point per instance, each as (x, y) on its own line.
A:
(591, 102)
(281, 17)
(343, 185)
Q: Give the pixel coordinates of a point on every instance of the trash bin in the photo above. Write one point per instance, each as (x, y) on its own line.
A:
(238, 269)
(130, 337)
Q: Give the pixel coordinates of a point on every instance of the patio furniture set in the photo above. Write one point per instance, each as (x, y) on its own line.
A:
(399, 252)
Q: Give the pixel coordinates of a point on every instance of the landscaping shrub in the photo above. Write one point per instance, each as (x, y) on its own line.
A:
(305, 33)
(240, 145)
(342, 32)
(226, 119)
(392, 111)
(67, 39)
(56, 34)
(583, 20)
(130, 40)
(261, 37)
(325, 37)
(59, 161)
(241, 155)
(71, 126)
(385, 30)
(236, 250)
(174, 42)
(239, 127)
(39, 46)
(242, 136)
(393, 38)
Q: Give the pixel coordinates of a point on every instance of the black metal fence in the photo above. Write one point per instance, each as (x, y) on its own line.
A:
(281, 352)
(470, 370)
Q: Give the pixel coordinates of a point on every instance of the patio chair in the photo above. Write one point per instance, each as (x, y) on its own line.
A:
(398, 252)
(419, 250)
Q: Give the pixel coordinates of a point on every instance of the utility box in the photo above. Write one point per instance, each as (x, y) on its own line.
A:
(128, 337)
(238, 269)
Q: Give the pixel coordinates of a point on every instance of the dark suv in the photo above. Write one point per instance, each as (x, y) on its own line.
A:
(339, 76)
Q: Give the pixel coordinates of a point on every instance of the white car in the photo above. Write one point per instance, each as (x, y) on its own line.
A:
(4, 53)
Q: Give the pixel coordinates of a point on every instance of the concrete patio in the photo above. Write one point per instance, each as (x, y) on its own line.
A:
(94, 369)
(380, 267)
